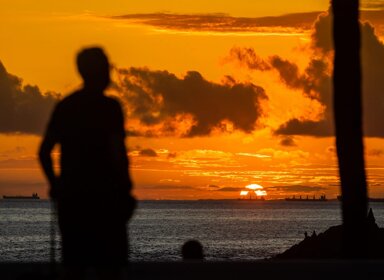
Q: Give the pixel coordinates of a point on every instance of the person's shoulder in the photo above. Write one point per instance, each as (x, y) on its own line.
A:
(113, 102)
(67, 100)
(65, 105)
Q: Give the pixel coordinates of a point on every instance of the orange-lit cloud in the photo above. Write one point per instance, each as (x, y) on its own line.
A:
(165, 105)
(229, 189)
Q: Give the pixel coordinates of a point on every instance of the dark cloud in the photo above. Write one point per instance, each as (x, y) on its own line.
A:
(315, 83)
(372, 11)
(375, 153)
(221, 22)
(373, 82)
(23, 109)
(315, 77)
(168, 187)
(315, 80)
(372, 4)
(296, 188)
(172, 155)
(322, 32)
(322, 128)
(166, 104)
(372, 73)
(373, 85)
(132, 133)
(230, 189)
(148, 153)
(288, 141)
(247, 57)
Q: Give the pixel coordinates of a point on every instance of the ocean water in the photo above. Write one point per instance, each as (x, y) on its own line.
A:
(228, 230)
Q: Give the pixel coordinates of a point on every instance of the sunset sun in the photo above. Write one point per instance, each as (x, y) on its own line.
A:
(253, 190)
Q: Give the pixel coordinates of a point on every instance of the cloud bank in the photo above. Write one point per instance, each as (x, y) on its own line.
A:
(158, 101)
(23, 108)
(166, 105)
(315, 80)
(296, 189)
(372, 11)
(222, 22)
(373, 4)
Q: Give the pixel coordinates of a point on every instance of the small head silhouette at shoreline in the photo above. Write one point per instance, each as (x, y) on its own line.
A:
(192, 250)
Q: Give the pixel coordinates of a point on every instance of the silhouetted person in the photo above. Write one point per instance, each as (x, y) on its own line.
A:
(93, 189)
(192, 250)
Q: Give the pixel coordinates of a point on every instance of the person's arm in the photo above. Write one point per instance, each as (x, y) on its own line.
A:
(49, 141)
(120, 163)
(119, 153)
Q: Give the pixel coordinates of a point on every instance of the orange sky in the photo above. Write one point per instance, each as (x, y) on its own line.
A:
(266, 51)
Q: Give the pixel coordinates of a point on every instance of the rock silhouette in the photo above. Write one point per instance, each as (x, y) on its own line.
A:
(328, 245)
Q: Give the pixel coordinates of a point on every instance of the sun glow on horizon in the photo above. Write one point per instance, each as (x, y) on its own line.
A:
(260, 193)
(244, 193)
(253, 188)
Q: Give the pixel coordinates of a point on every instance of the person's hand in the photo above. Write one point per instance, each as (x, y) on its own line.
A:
(127, 207)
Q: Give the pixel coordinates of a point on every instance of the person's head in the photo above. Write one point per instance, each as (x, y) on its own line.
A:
(192, 250)
(93, 67)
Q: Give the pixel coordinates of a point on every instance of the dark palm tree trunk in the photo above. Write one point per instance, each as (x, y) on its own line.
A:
(348, 123)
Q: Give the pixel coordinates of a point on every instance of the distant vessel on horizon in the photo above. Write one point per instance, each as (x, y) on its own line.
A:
(257, 198)
(33, 196)
(322, 198)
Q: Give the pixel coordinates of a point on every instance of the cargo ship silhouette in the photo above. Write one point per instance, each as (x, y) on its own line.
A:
(33, 196)
(322, 198)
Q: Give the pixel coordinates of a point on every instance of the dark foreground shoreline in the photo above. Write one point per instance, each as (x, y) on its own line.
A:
(290, 269)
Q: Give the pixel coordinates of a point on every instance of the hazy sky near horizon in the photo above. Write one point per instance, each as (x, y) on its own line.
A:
(217, 94)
